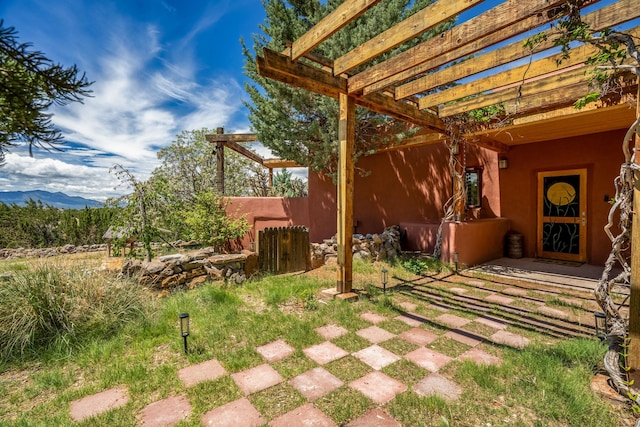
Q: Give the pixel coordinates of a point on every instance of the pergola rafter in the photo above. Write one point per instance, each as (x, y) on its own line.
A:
(422, 85)
(231, 141)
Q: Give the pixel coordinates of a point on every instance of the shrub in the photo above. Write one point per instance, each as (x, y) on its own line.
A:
(49, 305)
(420, 266)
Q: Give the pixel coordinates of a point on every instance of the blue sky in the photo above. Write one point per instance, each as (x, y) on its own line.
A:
(159, 66)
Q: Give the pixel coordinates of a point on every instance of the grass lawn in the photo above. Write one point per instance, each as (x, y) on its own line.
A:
(545, 384)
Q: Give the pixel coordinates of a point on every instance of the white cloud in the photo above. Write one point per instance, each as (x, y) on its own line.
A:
(146, 91)
(28, 173)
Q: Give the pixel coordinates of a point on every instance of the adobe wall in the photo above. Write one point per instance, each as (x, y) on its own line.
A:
(407, 187)
(263, 212)
(600, 154)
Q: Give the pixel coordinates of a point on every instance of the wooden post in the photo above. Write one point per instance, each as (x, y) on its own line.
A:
(634, 301)
(220, 163)
(270, 177)
(346, 137)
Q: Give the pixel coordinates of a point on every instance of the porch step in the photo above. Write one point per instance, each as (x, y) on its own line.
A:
(515, 316)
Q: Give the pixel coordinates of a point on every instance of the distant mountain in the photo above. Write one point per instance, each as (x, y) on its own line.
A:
(58, 200)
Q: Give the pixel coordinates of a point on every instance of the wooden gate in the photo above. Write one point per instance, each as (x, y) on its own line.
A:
(284, 249)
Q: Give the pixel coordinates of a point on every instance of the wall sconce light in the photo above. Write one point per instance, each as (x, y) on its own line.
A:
(384, 276)
(601, 325)
(184, 328)
(455, 149)
(503, 164)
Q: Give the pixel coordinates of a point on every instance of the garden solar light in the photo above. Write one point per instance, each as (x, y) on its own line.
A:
(384, 276)
(601, 325)
(184, 328)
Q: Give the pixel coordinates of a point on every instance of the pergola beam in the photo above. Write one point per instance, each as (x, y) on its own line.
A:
(233, 137)
(279, 67)
(609, 16)
(341, 16)
(416, 24)
(514, 75)
(512, 94)
(491, 21)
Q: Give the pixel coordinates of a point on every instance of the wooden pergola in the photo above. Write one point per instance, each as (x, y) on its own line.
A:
(232, 141)
(424, 84)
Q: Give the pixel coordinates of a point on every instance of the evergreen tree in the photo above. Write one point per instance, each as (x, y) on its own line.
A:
(29, 84)
(302, 126)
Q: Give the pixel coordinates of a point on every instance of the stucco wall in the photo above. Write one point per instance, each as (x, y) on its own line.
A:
(262, 212)
(600, 154)
(407, 187)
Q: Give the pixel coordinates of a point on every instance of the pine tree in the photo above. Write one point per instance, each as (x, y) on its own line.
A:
(30, 83)
(302, 126)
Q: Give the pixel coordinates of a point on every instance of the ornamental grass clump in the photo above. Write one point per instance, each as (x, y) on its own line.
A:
(53, 307)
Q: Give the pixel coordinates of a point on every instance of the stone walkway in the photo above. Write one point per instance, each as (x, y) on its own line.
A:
(318, 381)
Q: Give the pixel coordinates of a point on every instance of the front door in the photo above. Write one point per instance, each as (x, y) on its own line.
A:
(562, 215)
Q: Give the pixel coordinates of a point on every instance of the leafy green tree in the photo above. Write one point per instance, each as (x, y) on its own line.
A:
(296, 124)
(189, 168)
(141, 210)
(210, 223)
(30, 83)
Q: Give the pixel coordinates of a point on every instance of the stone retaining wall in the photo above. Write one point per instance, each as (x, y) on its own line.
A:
(7, 253)
(373, 247)
(170, 271)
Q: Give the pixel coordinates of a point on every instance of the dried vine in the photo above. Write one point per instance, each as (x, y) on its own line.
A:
(617, 324)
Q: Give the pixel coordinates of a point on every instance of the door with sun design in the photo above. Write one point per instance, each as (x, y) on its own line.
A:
(562, 215)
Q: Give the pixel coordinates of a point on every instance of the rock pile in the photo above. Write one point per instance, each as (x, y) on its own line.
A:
(375, 247)
(169, 271)
(7, 253)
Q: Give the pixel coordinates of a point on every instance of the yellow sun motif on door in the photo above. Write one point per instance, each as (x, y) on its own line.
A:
(561, 193)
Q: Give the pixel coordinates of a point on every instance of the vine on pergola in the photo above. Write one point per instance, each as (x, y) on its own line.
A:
(612, 66)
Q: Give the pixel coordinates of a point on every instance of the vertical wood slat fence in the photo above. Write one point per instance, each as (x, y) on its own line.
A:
(284, 249)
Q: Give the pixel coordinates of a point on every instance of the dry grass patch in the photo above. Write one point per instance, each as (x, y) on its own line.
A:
(348, 368)
(277, 400)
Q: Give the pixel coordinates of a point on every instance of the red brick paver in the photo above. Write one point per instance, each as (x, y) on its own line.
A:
(378, 387)
(375, 418)
(509, 339)
(324, 353)
(275, 351)
(205, 371)
(418, 336)
(452, 320)
(330, 332)
(438, 385)
(499, 299)
(464, 337)
(239, 413)
(316, 383)
(257, 379)
(411, 319)
(98, 403)
(428, 359)
(374, 334)
(166, 412)
(306, 415)
(376, 357)
(373, 318)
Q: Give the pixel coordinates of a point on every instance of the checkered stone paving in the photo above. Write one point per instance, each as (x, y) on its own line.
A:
(375, 383)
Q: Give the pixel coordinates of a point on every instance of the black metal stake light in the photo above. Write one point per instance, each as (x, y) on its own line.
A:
(384, 275)
(601, 325)
(184, 328)
(455, 260)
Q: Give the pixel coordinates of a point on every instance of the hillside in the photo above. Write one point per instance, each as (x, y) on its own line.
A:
(58, 200)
